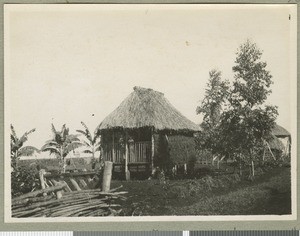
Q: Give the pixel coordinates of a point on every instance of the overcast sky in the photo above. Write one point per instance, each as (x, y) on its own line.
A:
(64, 63)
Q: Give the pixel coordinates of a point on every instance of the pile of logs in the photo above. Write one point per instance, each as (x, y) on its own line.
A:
(55, 201)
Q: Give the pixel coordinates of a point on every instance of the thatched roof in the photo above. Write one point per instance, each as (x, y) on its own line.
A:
(147, 108)
(275, 143)
(280, 131)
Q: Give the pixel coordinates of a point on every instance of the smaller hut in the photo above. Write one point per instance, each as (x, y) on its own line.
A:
(144, 132)
(285, 138)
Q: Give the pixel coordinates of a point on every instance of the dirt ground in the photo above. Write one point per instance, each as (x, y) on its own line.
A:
(270, 193)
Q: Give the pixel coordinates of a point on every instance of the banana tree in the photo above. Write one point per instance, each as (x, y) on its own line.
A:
(91, 142)
(61, 144)
(16, 146)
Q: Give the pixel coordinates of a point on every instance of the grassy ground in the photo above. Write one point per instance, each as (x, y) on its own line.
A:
(269, 193)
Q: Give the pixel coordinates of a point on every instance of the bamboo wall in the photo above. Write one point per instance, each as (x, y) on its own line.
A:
(139, 152)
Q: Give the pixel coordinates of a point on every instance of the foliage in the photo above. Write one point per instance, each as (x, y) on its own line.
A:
(211, 107)
(241, 129)
(247, 122)
(16, 146)
(215, 97)
(92, 143)
(24, 179)
(61, 144)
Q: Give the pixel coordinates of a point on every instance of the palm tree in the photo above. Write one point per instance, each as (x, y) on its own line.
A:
(16, 146)
(91, 143)
(61, 144)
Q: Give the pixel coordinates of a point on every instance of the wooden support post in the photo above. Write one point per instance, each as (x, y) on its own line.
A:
(113, 146)
(152, 151)
(42, 180)
(107, 174)
(127, 173)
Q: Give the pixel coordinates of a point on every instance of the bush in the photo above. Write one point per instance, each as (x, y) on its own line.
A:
(24, 180)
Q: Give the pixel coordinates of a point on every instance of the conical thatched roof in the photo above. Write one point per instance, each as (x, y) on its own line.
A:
(280, 131)
(147, 108)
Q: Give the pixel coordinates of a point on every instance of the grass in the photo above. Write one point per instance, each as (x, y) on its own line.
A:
(270, 193)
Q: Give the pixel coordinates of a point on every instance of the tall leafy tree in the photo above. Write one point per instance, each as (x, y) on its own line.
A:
(91, 142)
(211, 108)
(17, 147)
(248, 122)
(61, 144)
(215, 96)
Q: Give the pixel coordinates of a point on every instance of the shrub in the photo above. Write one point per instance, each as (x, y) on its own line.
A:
(24, 179)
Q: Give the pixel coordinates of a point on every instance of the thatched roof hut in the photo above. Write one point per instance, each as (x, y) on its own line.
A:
(139, 132)
(147, 108)
(284, 137)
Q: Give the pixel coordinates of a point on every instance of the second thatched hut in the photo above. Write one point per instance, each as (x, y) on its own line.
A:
(144, 132)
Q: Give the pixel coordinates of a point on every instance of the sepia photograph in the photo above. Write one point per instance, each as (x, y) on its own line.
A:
(145, 112)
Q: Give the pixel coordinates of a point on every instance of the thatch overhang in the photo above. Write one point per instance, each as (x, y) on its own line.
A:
(279, 131)
(275, 143)
(147, 108)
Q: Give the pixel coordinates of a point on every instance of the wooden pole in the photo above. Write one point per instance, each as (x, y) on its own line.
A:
(42, 180)
(152, 151)
(113, 146)
(127, 173)
(107, 174)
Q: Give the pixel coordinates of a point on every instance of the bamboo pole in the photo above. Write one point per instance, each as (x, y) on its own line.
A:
(127, 173)
(107, 174)
(113, 146)
(152, 151)
(270, 150)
